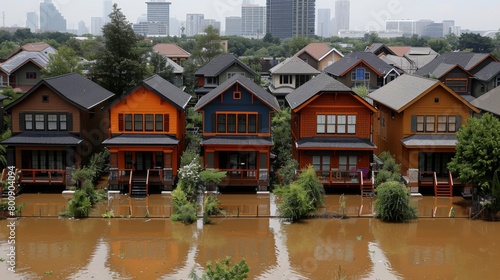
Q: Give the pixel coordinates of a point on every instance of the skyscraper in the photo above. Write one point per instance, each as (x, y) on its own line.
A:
(253, 21)
(32, 21)
(107, 8)
(342, 11)
(233, 26)
(50, 18)
(96, 24)
(324, 21)
(157, 19)
(290, 18)
(194, 24)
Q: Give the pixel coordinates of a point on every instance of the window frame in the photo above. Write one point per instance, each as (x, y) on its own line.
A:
(236, 123)
(456, 83)
(150, 122)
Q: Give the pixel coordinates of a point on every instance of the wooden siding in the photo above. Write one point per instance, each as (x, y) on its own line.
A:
(328, 60)
(233, 69)
(143, 101)
(309, 60)
(248, 103)
(335, 103)
(33, 103)
(21, 75)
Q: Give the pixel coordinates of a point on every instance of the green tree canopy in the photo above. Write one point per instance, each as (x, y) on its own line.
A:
(64, 61)
(475, 42)
(120, 64)
(207, 46)
(477, 156)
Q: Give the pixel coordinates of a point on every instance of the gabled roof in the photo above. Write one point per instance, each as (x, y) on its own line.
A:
(177, 69)
(163, 89)
(220, 63)
(23, 57)
(318, 50)
(252, 87)
(293, 66)
(318, 84)
(489, 101)
(489, 71)
(406, 89)
(399, 50)
(467, 60)
(171, 50)
(31, 47)
(377, 48)
(74, 88)
(353, 59)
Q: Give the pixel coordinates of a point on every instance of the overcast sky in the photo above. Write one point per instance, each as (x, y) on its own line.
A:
(365, 14)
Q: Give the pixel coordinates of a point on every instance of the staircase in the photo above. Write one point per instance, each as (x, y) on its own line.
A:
(138, 188)
(443, 188)
(367, 185)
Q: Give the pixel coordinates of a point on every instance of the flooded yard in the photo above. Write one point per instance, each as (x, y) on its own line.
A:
(141, 243)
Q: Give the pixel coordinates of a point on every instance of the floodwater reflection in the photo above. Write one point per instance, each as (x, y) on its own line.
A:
(149, 246)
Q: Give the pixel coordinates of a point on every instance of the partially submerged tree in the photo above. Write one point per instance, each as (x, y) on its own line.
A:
(393, 203)
(223, 269)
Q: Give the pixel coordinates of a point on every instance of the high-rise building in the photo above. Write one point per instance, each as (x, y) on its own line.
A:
(324, 22)
(406, 26)
(194, 24)
(50, 18)
(421, 25)
(32, 21)
(447, 25)
(434, 30)
(96, 25)
(107, 8)
(233, 26)
(253, 21)
(210, 22)
(82, 28)
(175, 27)
(290, 18)
(158, 19)
(342, 12)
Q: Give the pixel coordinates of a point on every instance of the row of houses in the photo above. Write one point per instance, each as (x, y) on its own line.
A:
(61, 121)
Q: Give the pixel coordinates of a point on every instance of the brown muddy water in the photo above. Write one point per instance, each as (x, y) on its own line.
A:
(142, 243)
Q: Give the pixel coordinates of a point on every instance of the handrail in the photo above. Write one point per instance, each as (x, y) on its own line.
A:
(450, 180)
(435, 182)
(32, 173)
(130, 183)
(147, 181)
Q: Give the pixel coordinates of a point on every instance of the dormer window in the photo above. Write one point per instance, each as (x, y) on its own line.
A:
(360, 74)
(285, 79)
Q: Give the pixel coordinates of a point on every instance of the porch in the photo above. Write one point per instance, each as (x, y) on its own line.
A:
(140, 183)
(361, 179)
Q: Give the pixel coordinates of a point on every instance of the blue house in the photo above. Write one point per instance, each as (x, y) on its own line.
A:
(237, 131)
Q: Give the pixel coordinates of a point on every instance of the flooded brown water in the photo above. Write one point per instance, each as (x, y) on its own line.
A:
(149, 246)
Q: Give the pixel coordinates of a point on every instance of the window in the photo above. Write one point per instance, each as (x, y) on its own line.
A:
(336, 124)
(320, 123)
(420, 123)
(128, 160)
(51, 122)
(149, 122)
(351, 124)
(321, 164)
(348, 163)
(360, 74)
(447, 124)
(28, 122)
(63, 122)
(30, 75)
(137, 122)
(45, 98)
(237, 95)
(452, 123)
(128, 122)
(39, 122)
(285, 79)
(457, 84)
(159, 122)
(330, 123)
(236, 123)
(341, 123)
(212, 80)
(429, 123)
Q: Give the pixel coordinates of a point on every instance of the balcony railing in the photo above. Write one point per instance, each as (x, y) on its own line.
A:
(43, 176)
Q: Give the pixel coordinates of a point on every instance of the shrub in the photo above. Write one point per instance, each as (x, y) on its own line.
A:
(184, 210)
(79, 206)
(311, 183)
(393, 203)
(223, 269)
(295, 203)
(210, 208)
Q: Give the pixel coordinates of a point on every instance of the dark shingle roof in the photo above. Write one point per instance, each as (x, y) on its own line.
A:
(43, 138)
(141, 140)
(489, 71)
(74, 88)
(255, 89)
(489, 101)
(220, 63)
(237, 140)
(467, 60)
(293, 66)
(352, 59)
(336, 143)
(320, 83)
(167, 90)
(435, 140)
(403, 90)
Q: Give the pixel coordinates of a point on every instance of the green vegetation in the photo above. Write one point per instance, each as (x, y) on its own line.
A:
(302, 197)
(210, 208)
(184, 210)
(393, 203)
(390, 171)
(223, 270)
(281, 132)
(64, 61)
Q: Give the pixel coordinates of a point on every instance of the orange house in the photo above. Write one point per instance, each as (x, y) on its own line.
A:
(147, 130)
(417, 122)
(331, 130)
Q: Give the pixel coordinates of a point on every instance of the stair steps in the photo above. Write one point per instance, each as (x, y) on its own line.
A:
(138, 188)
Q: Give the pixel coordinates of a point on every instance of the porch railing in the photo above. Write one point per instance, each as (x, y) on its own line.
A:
(153, 176)
(43, 176)
(241, 173)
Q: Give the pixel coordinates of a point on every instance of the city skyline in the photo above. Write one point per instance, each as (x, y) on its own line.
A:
(365, 14)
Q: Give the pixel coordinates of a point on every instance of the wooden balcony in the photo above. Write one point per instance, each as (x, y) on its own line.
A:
(43, 176)
(127, 177)
(246, 177)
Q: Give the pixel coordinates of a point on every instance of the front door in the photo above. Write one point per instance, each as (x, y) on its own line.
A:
(143, 161)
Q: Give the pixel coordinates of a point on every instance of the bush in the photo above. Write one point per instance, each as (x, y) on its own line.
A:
(210, 208)
(391, 171)
(184, 210)
(393, 203)
(79, 206)
(311, 183)
(295, 203)
(223, 269)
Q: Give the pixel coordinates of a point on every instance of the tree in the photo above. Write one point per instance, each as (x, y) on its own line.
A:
(390, 171)
(6, 47)
(64, 61)
(120, 65)
(475, 42)
(159, 64)
(393, 203)
(477, 156)
(439, 45)
(207, 46)
(281, 132)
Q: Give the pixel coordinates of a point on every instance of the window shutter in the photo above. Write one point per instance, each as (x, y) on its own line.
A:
(21, 122)
(121, 122)
(69, 119)
(413, 123)
(459, 123)
(166, 124)
(214, 122)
